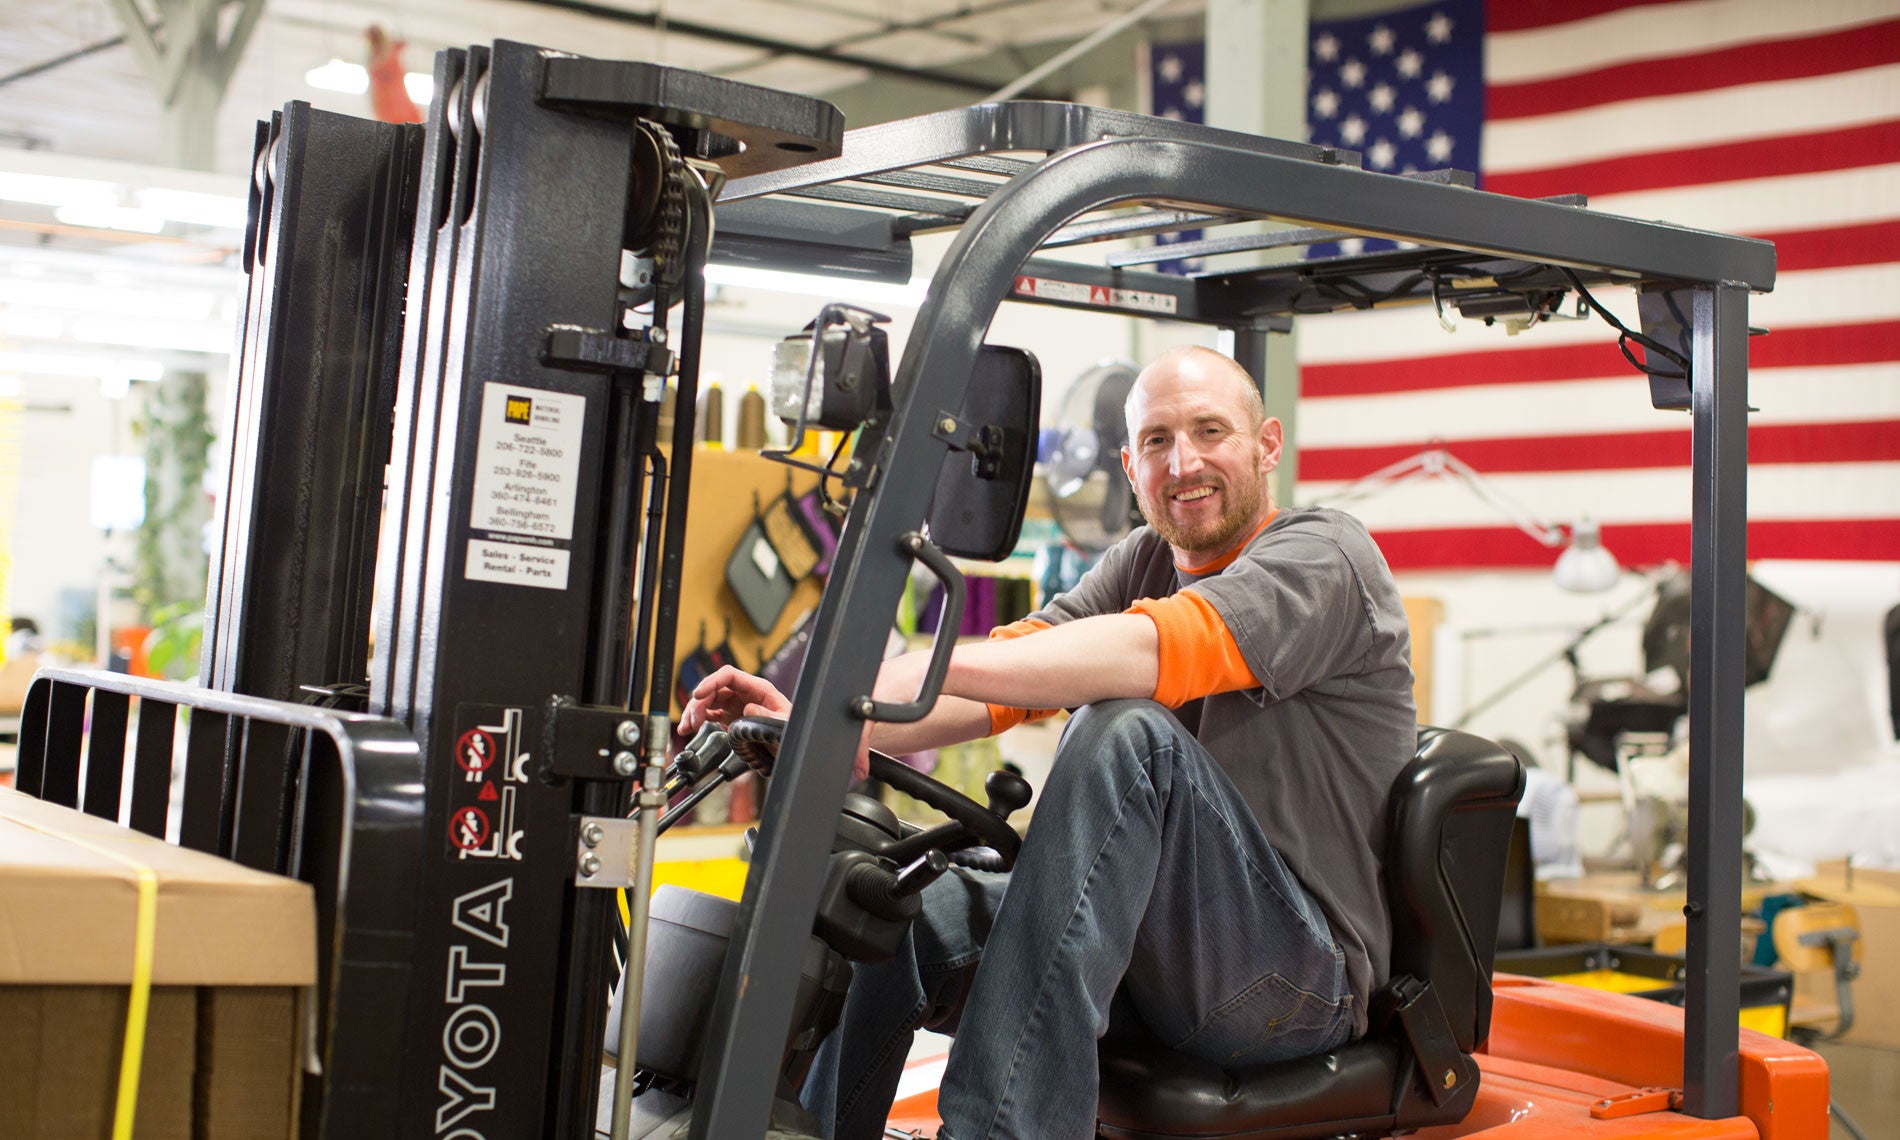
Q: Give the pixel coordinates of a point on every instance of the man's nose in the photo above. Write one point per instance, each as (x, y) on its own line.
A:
(1184, 458)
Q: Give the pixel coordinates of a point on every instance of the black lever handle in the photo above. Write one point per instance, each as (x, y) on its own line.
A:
(928, 868)
(701, 754)
(1007, 791)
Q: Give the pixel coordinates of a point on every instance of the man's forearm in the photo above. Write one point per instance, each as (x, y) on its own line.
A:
(1064, 666)
(952, 720)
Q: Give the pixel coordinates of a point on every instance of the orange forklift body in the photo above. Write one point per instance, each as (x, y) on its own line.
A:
(1567, 1061)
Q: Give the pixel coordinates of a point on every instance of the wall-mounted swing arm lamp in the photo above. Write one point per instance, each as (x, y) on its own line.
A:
(1584, 567)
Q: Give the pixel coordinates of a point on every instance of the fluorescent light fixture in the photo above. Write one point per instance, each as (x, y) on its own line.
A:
(36, 326)
(118, 491)
(97, 367)
(129, 219)
(181, 336)
(104, 301)
(101, 202)
(339, 75)
(909, 295)
(54, 190)
(191, 208)
(353, 79)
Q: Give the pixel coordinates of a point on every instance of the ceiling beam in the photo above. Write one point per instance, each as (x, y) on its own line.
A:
(761, 43)
(61, 60)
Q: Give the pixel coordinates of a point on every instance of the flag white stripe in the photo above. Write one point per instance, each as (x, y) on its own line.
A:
(1841, 394)
(1662, 31)
(1694, 119)
(1781, 204)
(1841, 296)
(1775, 491)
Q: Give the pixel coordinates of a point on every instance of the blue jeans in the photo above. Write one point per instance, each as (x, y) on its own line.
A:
(1144, 875)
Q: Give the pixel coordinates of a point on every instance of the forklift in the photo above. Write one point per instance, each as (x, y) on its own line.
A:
(441, 623)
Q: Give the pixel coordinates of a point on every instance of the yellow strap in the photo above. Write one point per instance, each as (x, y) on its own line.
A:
(144, 941)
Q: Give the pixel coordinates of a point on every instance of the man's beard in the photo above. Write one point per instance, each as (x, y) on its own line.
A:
(1215, 535)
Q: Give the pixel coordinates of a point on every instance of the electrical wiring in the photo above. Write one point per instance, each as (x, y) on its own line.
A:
(835, 507)
(1330, 294)
(1625, 334)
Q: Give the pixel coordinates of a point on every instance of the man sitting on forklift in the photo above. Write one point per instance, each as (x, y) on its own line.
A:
(1206, 855)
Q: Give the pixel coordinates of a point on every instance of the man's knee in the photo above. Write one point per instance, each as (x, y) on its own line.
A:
(1115, 740)
(1131, 725)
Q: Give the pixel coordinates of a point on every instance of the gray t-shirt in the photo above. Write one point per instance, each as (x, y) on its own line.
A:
(1314, 750)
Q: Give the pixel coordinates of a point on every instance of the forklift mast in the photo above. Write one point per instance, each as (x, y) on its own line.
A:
(417, 688)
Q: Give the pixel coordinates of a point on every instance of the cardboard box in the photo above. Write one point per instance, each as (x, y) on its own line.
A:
(234, 951)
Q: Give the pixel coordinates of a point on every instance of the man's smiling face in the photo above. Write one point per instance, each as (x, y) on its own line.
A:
(1199, 452)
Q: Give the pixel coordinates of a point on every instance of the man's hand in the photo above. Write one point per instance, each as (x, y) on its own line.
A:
(728, 694)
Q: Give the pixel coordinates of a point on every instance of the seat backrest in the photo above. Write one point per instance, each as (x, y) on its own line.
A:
(1447, 834)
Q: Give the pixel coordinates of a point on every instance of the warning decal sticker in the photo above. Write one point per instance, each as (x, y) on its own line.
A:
(1098, 296)
(491, 764)
(527, 465)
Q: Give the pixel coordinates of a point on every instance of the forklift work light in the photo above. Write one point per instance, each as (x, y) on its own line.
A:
(830, 375)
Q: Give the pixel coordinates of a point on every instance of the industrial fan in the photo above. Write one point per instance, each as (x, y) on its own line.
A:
(1089, 496)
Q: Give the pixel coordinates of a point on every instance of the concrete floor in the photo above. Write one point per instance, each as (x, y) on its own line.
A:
(1865, 1084)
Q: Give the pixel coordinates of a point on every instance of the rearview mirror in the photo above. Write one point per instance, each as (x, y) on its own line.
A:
(983, 487)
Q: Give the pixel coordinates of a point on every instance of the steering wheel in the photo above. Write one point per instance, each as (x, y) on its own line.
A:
(757, 738)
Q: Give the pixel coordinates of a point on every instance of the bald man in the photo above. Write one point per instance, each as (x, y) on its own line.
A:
(1206, 851)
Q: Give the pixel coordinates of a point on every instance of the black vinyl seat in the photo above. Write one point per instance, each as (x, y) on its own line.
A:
(1448, 829)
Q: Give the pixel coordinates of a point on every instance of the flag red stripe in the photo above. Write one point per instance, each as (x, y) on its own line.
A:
(1826, 53)
(1868, 343)
(1871, 441)
(1640, 544)
(1806, 153)
(1837, 246)
(1522, 15)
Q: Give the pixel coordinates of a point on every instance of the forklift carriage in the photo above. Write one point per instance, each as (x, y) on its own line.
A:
(514, 262)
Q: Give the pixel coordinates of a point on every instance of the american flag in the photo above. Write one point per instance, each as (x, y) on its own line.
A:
(1177, 89)
(1404, 89)
(1763, 117)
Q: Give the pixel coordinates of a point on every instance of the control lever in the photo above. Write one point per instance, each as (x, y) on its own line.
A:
(702, 753)
(1007, 792)
(928, 868)
(730, 767)
(894, 897)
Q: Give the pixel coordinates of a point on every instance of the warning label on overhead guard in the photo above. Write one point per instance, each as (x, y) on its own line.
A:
(1099, 296)
(527, 464)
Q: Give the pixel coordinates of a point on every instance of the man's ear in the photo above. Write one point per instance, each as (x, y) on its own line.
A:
(1128, 464)
(1272, 437)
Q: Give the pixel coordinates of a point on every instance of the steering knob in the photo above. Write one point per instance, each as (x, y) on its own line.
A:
(1007, 791)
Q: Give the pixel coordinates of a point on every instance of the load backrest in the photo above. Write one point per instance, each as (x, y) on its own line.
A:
(1447, 833)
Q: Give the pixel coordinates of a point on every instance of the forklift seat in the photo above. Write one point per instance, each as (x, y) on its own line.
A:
(1448, 829)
